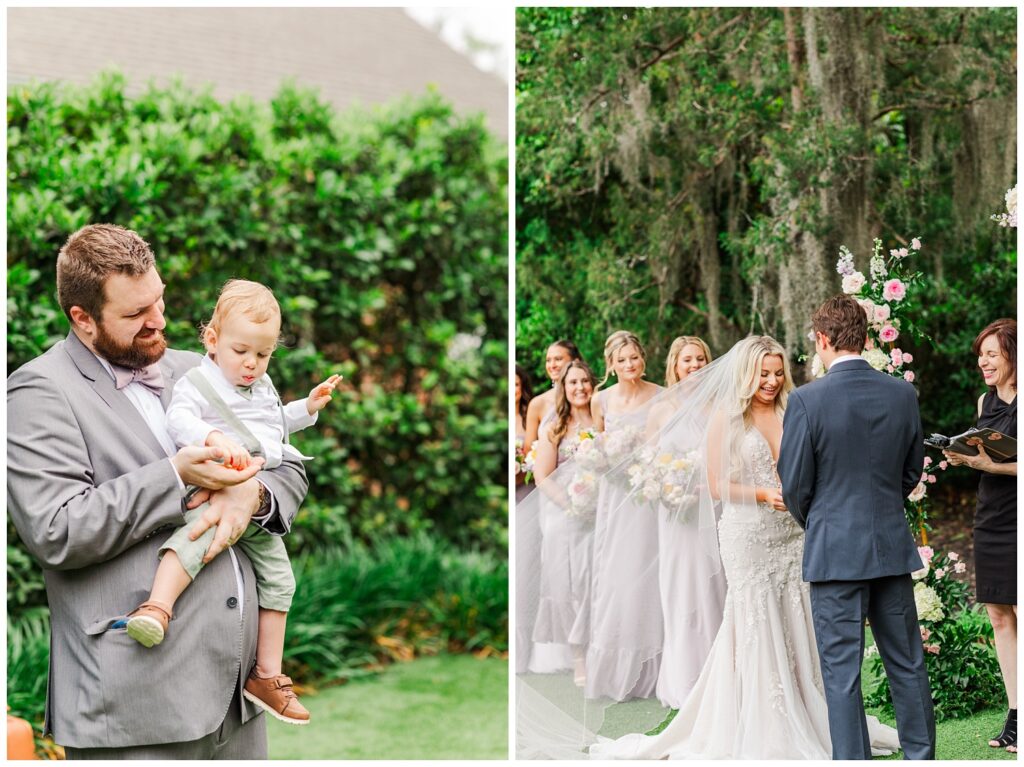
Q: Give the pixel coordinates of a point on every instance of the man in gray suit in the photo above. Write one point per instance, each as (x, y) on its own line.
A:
(852, 451)
(93, 476)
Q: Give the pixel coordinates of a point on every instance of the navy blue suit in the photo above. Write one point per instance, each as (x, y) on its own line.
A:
(852, 451)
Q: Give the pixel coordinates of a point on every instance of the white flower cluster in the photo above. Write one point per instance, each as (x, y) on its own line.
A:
(665, 477)
(876, 358)
(582, 494)
(1009, 218)
(929, 606)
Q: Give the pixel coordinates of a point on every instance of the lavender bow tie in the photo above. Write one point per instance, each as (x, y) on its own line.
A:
(151, 377)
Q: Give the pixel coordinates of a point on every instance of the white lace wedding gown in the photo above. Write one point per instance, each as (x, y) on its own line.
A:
(760, 693)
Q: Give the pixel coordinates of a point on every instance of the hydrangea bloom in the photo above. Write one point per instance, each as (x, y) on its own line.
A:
(929, 606)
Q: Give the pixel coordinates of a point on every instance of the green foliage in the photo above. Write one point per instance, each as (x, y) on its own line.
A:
(962, 669)
(400, 597)
(383, 235)
(673, 163)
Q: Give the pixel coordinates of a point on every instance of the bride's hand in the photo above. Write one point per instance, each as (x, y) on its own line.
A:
(773, 498)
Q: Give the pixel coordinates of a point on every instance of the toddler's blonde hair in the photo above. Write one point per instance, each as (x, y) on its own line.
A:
(252, 299)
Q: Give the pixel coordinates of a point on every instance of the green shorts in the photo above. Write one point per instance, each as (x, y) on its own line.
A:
(275, 582)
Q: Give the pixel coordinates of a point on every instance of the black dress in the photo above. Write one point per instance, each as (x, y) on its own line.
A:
(995, 521)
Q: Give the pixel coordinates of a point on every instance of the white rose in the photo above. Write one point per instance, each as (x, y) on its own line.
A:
(876, 358)
(919, 492)
(852, 283)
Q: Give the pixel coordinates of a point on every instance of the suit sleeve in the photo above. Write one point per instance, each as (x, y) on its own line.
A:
(913, 465)
(797, 466)
(66, 520)
(287, 485)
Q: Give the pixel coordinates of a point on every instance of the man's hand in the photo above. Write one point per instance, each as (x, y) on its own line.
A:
(197, 466)
(321, 394)
(230, 510)
(238, 456)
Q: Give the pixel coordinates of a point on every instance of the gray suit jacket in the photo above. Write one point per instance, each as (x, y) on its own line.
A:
(93, 497)
(852, 451)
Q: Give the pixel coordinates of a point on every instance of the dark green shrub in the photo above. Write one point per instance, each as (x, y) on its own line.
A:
(383, 234)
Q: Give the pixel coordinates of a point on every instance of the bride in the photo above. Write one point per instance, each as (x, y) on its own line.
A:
(760, 692)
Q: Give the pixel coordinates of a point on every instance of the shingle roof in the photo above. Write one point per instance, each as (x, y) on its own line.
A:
(366, 55)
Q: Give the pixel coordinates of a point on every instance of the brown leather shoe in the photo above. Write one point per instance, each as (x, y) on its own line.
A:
(274, 694)
(147, 623)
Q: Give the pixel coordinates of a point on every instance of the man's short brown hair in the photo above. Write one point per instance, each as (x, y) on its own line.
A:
(91, 255)
(843, 322)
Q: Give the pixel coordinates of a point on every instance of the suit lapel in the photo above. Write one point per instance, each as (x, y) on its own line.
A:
(118, 401)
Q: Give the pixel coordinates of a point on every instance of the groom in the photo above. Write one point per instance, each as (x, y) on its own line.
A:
(93, 475)
(851, 452)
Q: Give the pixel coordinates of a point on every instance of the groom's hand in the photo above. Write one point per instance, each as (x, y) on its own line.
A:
(198, 466)
(230, 510)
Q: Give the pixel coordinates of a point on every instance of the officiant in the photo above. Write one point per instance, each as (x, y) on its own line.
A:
(995, 520)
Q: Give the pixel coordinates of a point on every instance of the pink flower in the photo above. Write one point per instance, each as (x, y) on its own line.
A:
(890, 369)
(901, 253)
(943, 465)
(931, 479)
(897, 357)
(940, 573)
(959, 567)
(907, 358)
(932, 648)
(915, 244)
(925, 633)
(927, 461)
(909, 376)
(882, 312)
(888, 334)
(953, 556)
(894, 290)
(926, 553)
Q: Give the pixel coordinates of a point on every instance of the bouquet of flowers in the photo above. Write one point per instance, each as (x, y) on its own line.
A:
(582, 493)
(665, 478)
(527, 464)
(520, 458)
(608, 449)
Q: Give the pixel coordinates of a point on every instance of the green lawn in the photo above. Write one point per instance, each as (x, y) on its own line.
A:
(445, 707)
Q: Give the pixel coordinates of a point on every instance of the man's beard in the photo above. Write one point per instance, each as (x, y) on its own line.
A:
(138, 354)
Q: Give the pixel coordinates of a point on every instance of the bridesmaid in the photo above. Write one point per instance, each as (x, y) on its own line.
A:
(995, 520)
(688, 354)
(559, 354)
(625, 633)
(567, 541)
(524, 394)
(691, 606)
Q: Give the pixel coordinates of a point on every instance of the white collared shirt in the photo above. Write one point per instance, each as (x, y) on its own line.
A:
(844, 358)
(190, 418)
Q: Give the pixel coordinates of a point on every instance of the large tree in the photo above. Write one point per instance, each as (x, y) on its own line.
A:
(696, 170)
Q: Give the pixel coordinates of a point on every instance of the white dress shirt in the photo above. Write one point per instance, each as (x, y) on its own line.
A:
(844, 358)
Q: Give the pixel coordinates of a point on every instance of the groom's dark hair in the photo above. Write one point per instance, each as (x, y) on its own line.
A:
(843, 322)
(91, 255)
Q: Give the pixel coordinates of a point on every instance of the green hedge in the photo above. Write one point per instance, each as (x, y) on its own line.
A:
(383, 234)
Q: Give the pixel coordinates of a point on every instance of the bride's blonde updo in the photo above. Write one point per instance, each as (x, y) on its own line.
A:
(750, 352)
(616, 341)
